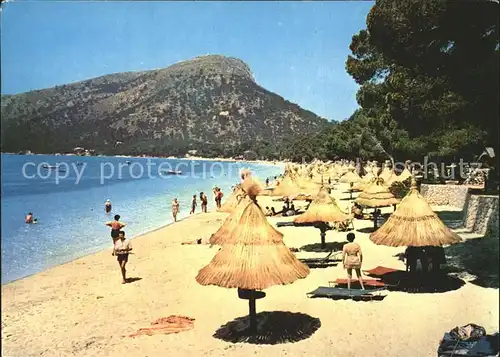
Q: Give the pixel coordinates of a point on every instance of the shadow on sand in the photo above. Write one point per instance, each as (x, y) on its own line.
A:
(329, 247)
(366, 230)
(131, 280)
(421, 283)
(478, 257)
(273, 327)
(453, 219)
(320, 263)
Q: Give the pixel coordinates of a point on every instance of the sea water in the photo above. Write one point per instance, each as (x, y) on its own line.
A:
(68, 202)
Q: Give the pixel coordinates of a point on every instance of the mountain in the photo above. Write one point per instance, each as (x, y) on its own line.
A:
(210, 103)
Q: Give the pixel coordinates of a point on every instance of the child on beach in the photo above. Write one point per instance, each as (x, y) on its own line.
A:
(122, 249)
(116, 226)
(175, 209)
(193, 205)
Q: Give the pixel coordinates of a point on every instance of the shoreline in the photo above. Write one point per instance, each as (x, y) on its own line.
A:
(100, 250)
(72, 309)
(190, 158)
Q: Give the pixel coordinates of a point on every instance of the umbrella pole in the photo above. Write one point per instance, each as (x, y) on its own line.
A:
(375, 219)
(322, 229)
(252, 315)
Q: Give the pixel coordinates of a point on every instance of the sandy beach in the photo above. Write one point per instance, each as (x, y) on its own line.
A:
(82, 309)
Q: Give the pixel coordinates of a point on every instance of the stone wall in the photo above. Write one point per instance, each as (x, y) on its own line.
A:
(481, 215)
(445, 195)
(480, 212)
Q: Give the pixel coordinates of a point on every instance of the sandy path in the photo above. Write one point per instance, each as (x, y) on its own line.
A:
(82, 309)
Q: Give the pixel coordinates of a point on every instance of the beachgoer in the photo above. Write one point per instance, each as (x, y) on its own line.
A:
(107, 206)
(218, 197)
(356, 211)
(116, 226)
(273, 211)
(29, 218)
(352, 258)
(329, 181)
(267, 181)
(122, 249)
(193, 204)
(268, 211)
(412, 255)
(175, 209)
(436, 257)
(204, 202)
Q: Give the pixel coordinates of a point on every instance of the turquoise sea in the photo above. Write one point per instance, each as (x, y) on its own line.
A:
(68, 202)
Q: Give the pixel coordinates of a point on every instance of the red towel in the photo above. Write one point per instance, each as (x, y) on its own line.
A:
(367, 282)
(379, 271)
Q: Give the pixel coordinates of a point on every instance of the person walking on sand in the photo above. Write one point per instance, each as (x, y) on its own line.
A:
(352, 258)
(116, 226)
(175, 209)
(204, 202)
(193, 205)
(122, 249)
(107, 206)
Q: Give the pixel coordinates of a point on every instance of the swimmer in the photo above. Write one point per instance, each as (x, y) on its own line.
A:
(107, 206)
(29, 218)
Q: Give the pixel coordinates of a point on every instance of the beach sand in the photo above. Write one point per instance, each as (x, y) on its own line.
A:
(82, 309)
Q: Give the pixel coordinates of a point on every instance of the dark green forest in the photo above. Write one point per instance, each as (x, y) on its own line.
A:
(428, 76)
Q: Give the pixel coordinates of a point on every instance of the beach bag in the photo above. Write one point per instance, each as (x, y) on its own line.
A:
(468, 332)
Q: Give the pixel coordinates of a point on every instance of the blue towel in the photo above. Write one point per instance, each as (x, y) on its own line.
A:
(333, 292)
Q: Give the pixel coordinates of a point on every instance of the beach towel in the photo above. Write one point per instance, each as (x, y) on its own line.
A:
(167, 325)
(324, 291)
(379, 271)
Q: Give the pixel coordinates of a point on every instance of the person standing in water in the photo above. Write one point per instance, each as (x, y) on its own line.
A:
(107, 206)
(267, 181)
(193, 205)
(121, 249)
(175, 209)
(204, 202)
(116, 227)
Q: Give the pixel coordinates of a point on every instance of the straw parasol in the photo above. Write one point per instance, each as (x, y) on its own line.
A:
(255, 259)
(415, 224)
(376, 195)
(232, 201)
(323, 209)
(351, 176)
(386, 173)
(287, 187)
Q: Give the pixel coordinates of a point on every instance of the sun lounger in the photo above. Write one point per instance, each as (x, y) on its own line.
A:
(325, 260)
(324, 291)
(366, 282)
(285, 224)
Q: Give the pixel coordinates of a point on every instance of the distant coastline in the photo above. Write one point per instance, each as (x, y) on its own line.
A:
(189, 158)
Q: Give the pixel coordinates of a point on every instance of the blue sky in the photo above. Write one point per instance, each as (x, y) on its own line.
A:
(296, 49)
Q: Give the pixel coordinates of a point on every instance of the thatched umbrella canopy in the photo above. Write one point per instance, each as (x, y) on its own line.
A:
(376, 195)
(415, 224)
(323, 209)
(256, 259)
(386, 173)
(351, 176)
(287, 187)
(405, 175)
(223, 234)
(232, 201)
